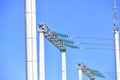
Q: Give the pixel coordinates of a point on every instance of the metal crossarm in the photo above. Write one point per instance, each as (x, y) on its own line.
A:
(86, 71)
(48, 34)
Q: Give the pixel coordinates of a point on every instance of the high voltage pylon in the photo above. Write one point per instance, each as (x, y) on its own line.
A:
(84, 69)
(47, 33)
(89, 72)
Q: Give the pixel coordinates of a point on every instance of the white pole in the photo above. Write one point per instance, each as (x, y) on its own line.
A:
(31, 50)
(117, 57)
(42, 60)
(116, 43)
(79, 73)
(63, 65)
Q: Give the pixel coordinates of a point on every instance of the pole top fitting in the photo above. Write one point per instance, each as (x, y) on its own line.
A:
(42, 28)
(63, 50)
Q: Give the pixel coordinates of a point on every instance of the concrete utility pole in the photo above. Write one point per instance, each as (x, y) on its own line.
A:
(116, 41)
(42, 56)
(63, 65)
(117, 56)
(79, 72)
(31, 47)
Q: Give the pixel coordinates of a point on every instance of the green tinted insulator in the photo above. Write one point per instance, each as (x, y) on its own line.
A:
(72, 46)
(97, 73)
(59, 34)
(66, 41)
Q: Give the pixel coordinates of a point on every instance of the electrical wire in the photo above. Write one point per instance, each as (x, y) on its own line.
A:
(94, 44)
(99, 48)
(110, 74)
(103, 49)
(95, 38)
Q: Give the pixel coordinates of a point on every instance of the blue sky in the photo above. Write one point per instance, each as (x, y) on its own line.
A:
(87, 19)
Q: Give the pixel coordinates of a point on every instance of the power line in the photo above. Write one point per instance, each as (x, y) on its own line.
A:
(94, 44)
(95, 38)
(103, 49)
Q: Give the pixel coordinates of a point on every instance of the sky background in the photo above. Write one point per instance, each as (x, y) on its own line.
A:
(91, 20)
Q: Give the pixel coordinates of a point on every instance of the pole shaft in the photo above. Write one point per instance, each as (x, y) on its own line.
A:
(79, 73)
(31, 50)
(63, 65)
(42, 62)
(117, 56)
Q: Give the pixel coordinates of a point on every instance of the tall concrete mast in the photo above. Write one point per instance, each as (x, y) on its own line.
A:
(63, 64)
(116, 43)
(79, 72)
(31, 47)
(42, 54)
